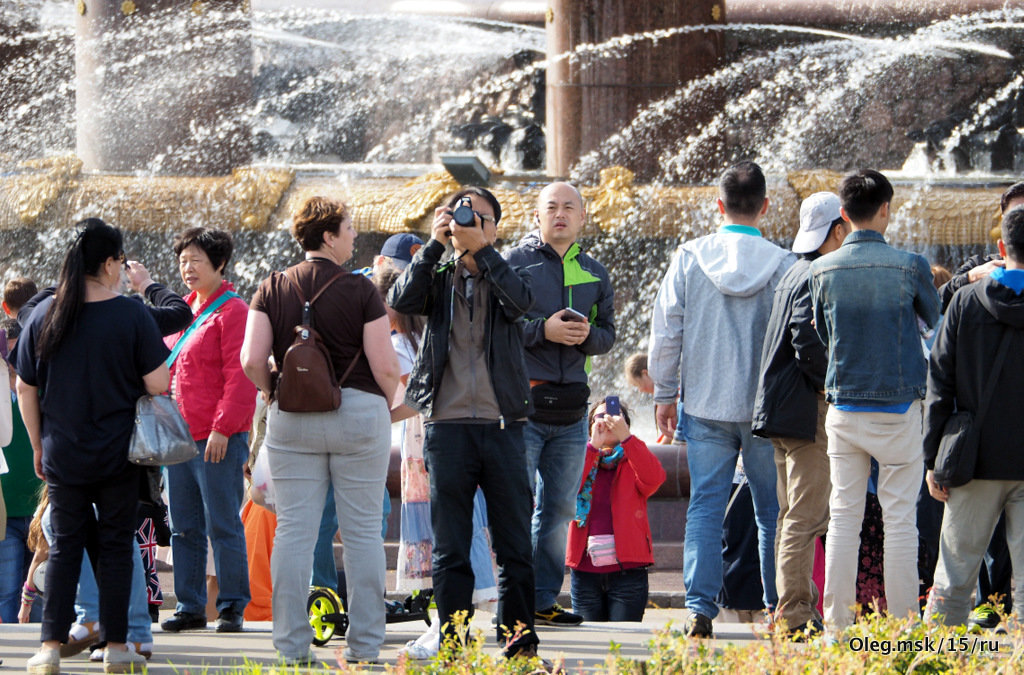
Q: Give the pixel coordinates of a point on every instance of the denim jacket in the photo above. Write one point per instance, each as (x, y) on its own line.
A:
(867, 299)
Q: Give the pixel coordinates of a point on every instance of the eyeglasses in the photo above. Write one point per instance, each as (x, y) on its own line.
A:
(484, 217)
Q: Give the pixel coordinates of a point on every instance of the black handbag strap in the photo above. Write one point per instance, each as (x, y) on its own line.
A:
(986, 397)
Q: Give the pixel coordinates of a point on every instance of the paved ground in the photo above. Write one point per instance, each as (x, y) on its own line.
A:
(582, 647)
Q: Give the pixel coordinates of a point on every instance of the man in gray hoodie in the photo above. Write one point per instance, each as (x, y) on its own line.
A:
(709, 321)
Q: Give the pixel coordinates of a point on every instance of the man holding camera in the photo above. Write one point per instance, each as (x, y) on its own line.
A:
(572, 320)
(469, 382)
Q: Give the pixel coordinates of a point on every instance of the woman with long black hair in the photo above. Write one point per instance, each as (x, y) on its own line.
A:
(85, 357)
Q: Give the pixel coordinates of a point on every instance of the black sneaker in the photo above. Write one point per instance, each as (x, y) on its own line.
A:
(698, 626)
(184, 621)
(229, 621)
(982, 618)
(806, 631)
(555, 615)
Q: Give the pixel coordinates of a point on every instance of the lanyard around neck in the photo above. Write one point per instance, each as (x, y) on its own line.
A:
(199, 321)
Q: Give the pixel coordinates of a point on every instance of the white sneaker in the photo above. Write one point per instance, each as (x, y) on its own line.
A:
(45, 662)
(127, 661)
(426, 646)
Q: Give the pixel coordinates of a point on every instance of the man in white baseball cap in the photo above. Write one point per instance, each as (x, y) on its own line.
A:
(818, 213)
(790, 410)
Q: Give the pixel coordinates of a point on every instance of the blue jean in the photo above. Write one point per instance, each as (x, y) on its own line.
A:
(15, 557)
(680, 433)
(611, 596)
(204, 499)
(712, 450)
(554, 465)
(325, 570)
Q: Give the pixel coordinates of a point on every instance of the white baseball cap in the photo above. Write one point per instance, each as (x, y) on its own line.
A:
(817, 213)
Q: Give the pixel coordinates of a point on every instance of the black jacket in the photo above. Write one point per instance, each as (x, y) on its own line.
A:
(594, 298)
(170, 311)
(793, 361)
(960, 279)
(961, 364)
(426, 288)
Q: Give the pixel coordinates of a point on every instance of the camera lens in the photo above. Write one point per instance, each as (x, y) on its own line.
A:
(463, 214)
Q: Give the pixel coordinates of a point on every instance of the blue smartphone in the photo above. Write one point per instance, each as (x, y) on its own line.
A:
(611, 405)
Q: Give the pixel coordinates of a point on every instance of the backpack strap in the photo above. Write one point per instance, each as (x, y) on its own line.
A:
(302, 297)
(350, 366)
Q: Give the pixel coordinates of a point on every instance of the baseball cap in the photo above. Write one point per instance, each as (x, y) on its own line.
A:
(817, 213)
(401, 248)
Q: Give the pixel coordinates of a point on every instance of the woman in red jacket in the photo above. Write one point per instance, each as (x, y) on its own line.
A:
(217, 400)
(609, 547)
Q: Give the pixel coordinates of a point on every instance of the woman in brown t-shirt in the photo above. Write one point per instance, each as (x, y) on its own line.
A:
(347, 449)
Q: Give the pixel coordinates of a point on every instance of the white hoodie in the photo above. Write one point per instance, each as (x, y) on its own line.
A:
(710, 318)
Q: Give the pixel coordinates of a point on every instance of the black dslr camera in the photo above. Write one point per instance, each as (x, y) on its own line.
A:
(464, 214)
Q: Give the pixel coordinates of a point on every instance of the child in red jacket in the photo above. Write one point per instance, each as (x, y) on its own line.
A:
(609, 547)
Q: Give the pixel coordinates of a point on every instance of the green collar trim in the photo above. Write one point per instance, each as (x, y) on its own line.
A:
(572, 273)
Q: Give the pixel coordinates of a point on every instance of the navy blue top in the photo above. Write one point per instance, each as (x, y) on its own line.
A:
(88, 389)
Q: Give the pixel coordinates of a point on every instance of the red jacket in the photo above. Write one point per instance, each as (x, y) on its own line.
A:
(637, 477)
(212, 391)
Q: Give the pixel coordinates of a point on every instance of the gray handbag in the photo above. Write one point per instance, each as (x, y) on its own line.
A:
(161, 436)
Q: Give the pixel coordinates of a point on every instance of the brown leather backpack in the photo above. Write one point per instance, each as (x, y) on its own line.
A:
(306, 381)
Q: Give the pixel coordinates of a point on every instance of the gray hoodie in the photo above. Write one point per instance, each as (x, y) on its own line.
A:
(709, 322)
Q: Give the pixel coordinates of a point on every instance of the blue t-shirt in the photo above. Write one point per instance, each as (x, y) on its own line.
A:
(88, 388)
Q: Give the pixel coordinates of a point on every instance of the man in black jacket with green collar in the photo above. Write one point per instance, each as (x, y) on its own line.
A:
(572, 320)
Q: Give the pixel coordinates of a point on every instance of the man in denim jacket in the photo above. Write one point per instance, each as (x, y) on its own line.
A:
(869, 302)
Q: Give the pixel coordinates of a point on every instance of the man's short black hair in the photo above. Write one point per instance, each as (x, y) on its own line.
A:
(863, 193)
(1012, 233)
(1015, 191)
(479, 192)
(742, 189)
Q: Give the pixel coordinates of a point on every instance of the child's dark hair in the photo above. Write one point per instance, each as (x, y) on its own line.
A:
(593, 409)
(18, 291)
(635, 366)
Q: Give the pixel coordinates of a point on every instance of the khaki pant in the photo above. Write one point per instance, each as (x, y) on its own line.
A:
(895, 441)
(967, 524)
(803, 489)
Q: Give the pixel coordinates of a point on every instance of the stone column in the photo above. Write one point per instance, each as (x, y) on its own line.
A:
(163, 86)
(587, 105)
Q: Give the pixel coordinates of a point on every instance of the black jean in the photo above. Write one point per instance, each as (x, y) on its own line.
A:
(610, 596)
(108, 533)
(459, 457)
